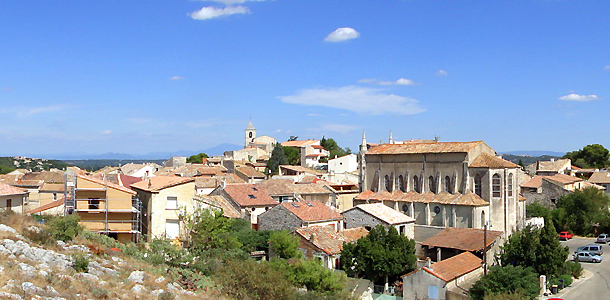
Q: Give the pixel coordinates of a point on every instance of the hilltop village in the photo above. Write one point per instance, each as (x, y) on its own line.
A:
(447, 209)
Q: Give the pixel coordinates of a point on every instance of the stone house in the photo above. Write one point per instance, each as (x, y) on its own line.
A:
(601, 179)
(163, 198)
(286, 190)
(293, 215)
(13, 198)
(371, 215)
(325, 243)
(249, 174)
(310, 150)
(204, 185)
(549, 168)
(548, 189)
(435, 281)
(442, 184)
(453, 241)
(248, 199)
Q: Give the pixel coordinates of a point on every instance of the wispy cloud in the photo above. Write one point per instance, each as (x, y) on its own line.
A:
(441, 73)
(340, 128)
(6, 89)
(230, 2)
(579, 98)
(401, 81)
(357, 99)
(607, 67)
(176, 78)
(342, 34)
(107, 132)
(210, 12)
(40, 110)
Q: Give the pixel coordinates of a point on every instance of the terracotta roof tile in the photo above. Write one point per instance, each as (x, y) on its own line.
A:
(466, 239)
(454, 267)
(249, 195)
(7, 190)
(312, 211)
(53, 187)
(157, 183)
(214, 181)
(301, 143)
(46, 176)
(486, 160)
(220, 202)
(600, 177)
(50, 205)
(301, 170)
(384, 213)
(282, 187)
(468, 199)
(250, 172)
(109, 184)
(433, 147)
(328, 240)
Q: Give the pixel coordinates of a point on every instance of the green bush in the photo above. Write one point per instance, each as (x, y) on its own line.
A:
(567, 279)
(40, 236)
(574, 269)
(80, 262)
(129, 249)
(65, 228)
(100, 293)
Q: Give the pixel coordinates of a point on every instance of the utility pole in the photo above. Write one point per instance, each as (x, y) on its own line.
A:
(485, 248)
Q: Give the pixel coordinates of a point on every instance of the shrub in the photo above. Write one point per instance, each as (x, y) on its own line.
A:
(574, 268)
(65, 228)
(100, 293)
(40, 236)
(567, 279)
(80, 262)
(254, 280)
(166, 296)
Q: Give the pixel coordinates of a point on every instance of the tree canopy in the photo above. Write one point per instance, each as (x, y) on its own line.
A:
(197, 158)
(284, 244)
(506, 280)
(381, 255)
(334, 149)
(278, 157)
(591, 156)
(580, 211)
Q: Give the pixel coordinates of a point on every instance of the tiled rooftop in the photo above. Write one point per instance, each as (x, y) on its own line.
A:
(249, 195)
(157, 183)
(466, 239)
(384, 213)
(468, 199)
(328, 240)
(312, 211)
(454, 267)
(426, 147)
(486, 160)
(7, 190)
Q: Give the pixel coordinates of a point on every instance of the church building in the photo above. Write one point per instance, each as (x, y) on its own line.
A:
(442, 184)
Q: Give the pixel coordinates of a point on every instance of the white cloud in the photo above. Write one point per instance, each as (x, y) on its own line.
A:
(356, 99)
(39, 110)
(607, 67)
(107, 132)
(441, 73)
(210, 12)
(176, 78)
(340, 128)
(342, 34)
(230, 2)
(401, 81)
(581, 98)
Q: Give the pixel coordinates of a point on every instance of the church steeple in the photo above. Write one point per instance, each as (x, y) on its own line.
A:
(250, 135)
(362, 164)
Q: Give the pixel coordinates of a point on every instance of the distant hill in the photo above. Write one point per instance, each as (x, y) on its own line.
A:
(8, 164)
(527, 159)
(96, 164)
(534, 153)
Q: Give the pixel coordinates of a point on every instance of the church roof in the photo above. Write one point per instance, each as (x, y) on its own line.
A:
(468, 199)
(250, 126)
(486, 160)
(425, 147)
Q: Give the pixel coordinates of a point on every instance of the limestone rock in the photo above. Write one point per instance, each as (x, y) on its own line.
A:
(137, 276)
(5, 295)
(7, 229)
(87, 276)
(138, 289)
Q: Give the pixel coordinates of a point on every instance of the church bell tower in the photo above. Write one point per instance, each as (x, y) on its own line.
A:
(250, 135)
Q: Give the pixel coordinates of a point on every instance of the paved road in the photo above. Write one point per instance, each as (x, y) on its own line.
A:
(596, 287)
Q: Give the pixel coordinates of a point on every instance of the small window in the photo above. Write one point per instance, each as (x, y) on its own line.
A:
(94, 203)
(496, 184)
(431, 184)
(477, 185)
(388, 184)
(437, 209)
(448, 184)
(401, 183)
(416, 184)
(510, 185)
(405, 208)
(172, 202)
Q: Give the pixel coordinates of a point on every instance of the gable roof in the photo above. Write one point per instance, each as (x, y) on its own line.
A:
(279, 187)
(7, 190)
(301, 143)
(214, 181)
(454, 267)
(46, 176)
(312, 211)
(108, 184)
(486, 160)
(536, 181)
(327, 239)
(600, 177)
(47, 206)
(250, 172)
(246, 194)
(383, 213)
(157, 183)
(424, 147)
(219, 202)
(301, 169)
(466, 239)
(468, 199)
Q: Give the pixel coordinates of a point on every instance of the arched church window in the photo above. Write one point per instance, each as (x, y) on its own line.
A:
(416, 184)
(477, 185)
(496, 184)
(250, 134)
(388, 184)
(510, 185)
(431, 184)
(401, 183)
(448, 184)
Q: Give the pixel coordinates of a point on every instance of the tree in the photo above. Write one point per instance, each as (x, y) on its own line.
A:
(580, 211)
(278, 157)
(506, 280)
(521, 164)
(293, 156)
(381, 255)
(208, 229)
(284, 244)
(334, 149)
(311, 274)
(197, 158)
(591, 156)
(536, 209)
(538, 249)
(253, 280)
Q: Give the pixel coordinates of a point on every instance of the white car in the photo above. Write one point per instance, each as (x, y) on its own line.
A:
(586, 256)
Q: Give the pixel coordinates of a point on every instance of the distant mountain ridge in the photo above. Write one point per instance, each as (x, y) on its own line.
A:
(534, 153)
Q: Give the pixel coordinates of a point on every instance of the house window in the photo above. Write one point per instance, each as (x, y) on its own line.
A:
(431, 184)
(401, 230)
(510, 185)
(388, 186)
(482, 219)
(9, 203)
(416, 184)
(447, 184)
(401, 183)
(172, 202)
(496, 183)
(94, 203)
(477, 185)
(172, 229)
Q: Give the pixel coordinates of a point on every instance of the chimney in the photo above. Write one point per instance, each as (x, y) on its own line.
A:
(428, 262)
(313, 238)
(150, 183)
(552, 160)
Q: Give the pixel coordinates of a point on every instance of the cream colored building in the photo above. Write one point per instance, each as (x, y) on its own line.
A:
(163, 199)
(443, 184)
(12, 198)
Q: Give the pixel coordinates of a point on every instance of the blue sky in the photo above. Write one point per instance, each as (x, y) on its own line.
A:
(147, 76)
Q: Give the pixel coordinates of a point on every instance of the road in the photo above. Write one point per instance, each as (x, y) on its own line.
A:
(597, 287)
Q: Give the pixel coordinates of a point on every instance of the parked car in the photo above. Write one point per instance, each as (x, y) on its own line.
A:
(565, 235)
(594, 249)
(587, 256)
(603, 238)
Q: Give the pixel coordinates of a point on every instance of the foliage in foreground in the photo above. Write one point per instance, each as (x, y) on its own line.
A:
(380, 256)
(284, 244)
(506, 280)
(580, 211)
(65, 228)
